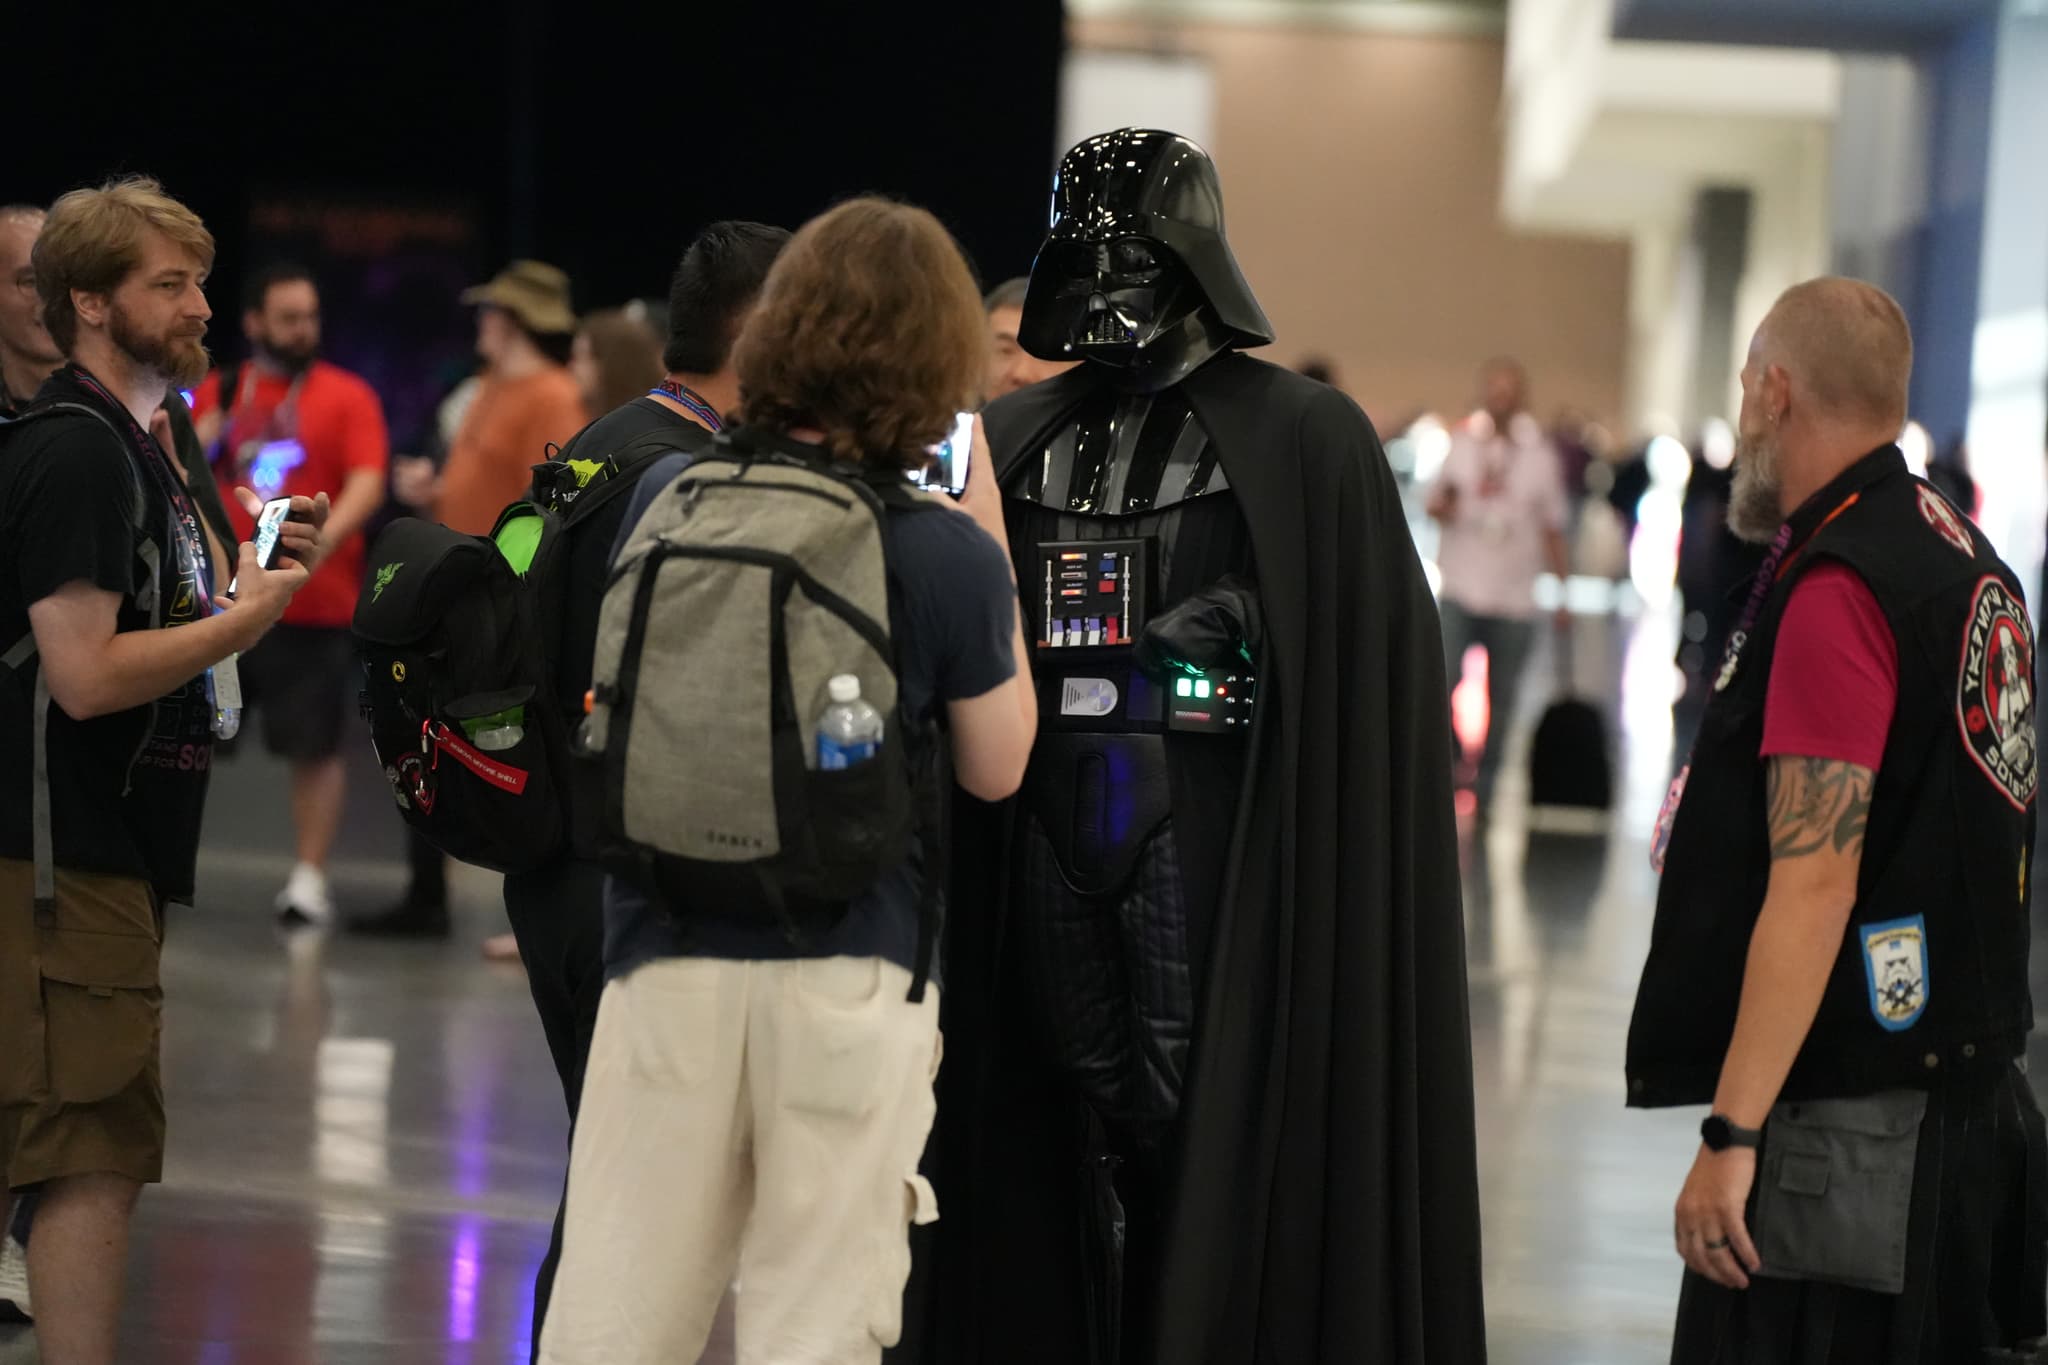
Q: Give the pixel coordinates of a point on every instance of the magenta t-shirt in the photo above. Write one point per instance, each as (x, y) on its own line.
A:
(1835, 672)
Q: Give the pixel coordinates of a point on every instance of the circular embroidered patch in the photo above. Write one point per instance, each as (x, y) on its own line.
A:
(1946, 521)
(1995, 703)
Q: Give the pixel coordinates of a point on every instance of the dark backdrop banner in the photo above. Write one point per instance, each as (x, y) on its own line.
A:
(580, 133)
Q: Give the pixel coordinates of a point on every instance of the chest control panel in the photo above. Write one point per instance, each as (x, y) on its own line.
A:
(1092, 593)
(1211, 701)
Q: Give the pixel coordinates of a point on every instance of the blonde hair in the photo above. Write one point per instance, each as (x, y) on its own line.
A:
(870, 328)
(92, 239)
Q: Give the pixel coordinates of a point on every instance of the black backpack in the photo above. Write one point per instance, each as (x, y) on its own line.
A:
(458, 637)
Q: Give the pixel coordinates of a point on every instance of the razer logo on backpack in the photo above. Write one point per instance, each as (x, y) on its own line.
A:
(384, 577)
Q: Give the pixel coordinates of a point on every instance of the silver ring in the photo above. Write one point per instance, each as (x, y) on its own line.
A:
(1721, 1245)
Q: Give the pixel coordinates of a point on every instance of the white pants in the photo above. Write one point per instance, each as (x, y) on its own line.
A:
(759, 1117)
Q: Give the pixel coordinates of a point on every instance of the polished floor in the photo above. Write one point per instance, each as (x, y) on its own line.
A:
(367, 1139)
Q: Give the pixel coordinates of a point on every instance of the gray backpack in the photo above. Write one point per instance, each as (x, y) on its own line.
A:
(749, 582)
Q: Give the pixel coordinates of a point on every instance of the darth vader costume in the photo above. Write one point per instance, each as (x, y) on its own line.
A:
(1208, 1090)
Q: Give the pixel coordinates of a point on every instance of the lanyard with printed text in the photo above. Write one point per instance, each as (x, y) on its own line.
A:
(678, 392)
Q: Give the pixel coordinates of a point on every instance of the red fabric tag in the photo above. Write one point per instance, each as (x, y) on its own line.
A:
(502, 775)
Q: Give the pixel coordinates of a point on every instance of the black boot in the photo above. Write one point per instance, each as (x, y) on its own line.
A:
(424, 911)
(410, 918)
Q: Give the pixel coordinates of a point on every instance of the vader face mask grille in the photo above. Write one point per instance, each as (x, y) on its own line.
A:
(1104, 325)
(1127, 291)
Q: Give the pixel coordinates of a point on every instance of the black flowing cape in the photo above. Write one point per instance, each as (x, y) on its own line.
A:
(1326, 1204)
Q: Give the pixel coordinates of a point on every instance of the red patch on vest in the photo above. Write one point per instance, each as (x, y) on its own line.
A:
(1995, 696)
(1946, 521)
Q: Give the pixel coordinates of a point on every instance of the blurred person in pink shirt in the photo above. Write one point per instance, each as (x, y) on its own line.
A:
(1500, 500)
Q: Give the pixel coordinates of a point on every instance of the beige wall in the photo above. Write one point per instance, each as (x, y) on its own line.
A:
(1361, 179)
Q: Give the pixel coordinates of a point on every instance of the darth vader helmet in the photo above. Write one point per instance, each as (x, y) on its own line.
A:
(1135, 273)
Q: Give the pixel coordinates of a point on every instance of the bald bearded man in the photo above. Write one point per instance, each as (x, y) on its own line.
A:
(1839, 960)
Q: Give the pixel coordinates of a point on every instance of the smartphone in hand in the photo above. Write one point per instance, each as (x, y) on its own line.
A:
(269, 525)
(950, 456)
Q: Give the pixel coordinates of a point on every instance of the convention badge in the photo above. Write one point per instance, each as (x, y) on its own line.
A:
(226, 677)
(1895, 967)
(1660, 842)
(1995, 693)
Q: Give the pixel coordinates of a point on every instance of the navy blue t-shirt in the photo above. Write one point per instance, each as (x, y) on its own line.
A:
(952, 622)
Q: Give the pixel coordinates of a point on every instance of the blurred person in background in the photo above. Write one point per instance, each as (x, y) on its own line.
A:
(288, 423)
(1011, 367)
(616, 358)
(718, 1130)
(1574, 435)
(116, 630)
(1713, 562)
(27, 357)
(1317, 368)
(526, 400)
(1500, 500)
(557, 911)
(1950, 472)
(523, 402)
(27, 354)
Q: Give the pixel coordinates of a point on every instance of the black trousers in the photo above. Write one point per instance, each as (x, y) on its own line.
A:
(557, 914)
(1976, 1268)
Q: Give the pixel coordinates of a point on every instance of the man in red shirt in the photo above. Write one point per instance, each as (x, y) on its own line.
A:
(291, 423)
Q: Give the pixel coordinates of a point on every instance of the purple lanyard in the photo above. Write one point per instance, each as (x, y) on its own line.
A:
(1767, 575)
(678, 392)
(184, 519)
(1766, 578)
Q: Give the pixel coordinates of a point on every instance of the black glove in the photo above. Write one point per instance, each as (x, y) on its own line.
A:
(1219, 627)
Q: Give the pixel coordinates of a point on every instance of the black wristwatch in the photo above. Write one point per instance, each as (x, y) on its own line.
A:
(1720, 1134)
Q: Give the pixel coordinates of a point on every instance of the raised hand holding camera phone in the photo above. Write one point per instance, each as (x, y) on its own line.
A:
(979, 497)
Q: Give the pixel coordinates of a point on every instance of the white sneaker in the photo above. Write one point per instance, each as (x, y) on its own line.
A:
(14, 1305)
(305, 898)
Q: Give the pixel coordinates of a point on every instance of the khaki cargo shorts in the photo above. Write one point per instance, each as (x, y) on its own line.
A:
(81, 1016)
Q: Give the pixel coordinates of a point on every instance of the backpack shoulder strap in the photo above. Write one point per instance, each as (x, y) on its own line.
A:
(628, 462)
(19, 654)
(134, 505)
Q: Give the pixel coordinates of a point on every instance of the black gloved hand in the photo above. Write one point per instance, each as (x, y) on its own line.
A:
(1221, 626)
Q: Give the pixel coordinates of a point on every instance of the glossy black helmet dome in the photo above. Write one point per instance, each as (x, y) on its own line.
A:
(1136, 258)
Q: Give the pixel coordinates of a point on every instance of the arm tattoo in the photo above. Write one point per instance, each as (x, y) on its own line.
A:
(1816, 803)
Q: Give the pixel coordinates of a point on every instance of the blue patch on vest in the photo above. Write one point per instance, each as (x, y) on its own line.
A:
(1895, 967)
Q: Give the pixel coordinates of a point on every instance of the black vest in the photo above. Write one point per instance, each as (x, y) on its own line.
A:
(1931, 979)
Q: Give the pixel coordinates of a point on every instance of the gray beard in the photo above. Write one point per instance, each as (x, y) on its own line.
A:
(1753, 508)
